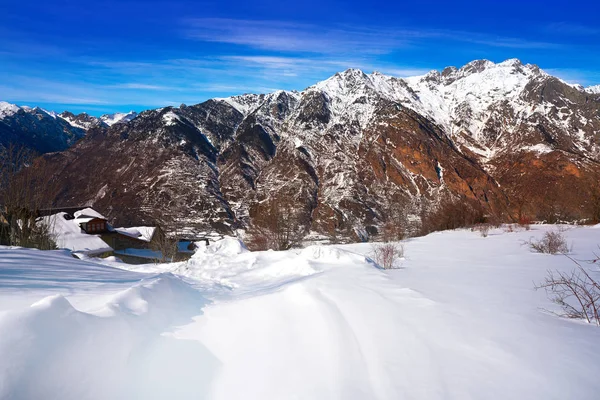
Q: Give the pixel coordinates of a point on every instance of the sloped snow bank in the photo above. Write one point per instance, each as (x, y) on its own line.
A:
(460, 321)
(228, 264)
(53, 351)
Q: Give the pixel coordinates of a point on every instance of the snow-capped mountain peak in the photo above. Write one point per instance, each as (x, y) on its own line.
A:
(8, 109)
(593, 89)
(111, 119)
(83, 120)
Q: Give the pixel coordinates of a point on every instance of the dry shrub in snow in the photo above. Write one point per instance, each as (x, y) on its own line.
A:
(483, 229)
(525, 223)
(387, 254)
(23, 195)
(277, 226)
(577, 293)
(452, 213)
(553, 242)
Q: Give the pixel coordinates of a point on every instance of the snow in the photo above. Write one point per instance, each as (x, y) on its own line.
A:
(170, 118)
(593, 89)
(460, 320)
(144, 233)
(68, 234)
(73, 122)
(111, 119)
(539, 148)
(473, 92)
(88, 213)
(8, 109)
(52, 114)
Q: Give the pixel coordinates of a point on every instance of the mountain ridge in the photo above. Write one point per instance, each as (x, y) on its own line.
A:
(349, 151)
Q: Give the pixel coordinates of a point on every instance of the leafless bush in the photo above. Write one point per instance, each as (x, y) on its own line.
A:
(167, 245)
(396, 221)
(483, 229)
(509, 228)
(24, 192)
(386, 255)
(452, 213)
(525, 222)
(278, 226)
(553, 242)
(576, 292)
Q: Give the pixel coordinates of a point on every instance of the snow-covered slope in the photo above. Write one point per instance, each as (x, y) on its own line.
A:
(8, 109)
(459, 320)
(467, 103)
(506, 137)
(111, 119)
(593, 89)
(463, 98)
(35, 129)
(83, 120)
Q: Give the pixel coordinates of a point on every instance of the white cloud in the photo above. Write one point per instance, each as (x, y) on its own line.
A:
(286, 36)
(306, 38)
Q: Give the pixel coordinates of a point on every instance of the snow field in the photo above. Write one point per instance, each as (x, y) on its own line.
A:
(459, 320)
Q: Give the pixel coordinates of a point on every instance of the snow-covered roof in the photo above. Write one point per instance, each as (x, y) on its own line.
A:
(68, 235)
(144, 233)
(88, 213)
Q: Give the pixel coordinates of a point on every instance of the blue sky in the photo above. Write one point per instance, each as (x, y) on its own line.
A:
(107, 56)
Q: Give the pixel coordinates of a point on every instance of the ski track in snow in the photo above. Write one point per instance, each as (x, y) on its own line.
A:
(459, 320)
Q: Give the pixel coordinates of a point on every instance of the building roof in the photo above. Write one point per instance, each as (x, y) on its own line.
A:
(144, 233)
(88, 213)
(67, 234)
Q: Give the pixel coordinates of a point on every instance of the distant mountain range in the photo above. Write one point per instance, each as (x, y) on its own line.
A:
(46, 131)
(343, 152)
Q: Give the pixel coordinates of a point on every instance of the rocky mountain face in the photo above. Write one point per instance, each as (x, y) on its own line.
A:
(36, 129)
(83, 120)
(349, 153)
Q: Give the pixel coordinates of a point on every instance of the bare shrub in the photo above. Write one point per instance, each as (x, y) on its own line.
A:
(576, 292)
(396, 221)
(166, 244)
(452, 213)
(258, 240)
(24, 191)
(553, 242)
(278, 226)
(508, 228)
(386, 255)
(392, 231)
(525, 222)
(483, 229)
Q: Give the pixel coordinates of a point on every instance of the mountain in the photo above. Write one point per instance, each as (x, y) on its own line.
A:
(83, 120)
(36, 129)
(111, 119)
(351, 153)
(593, 89)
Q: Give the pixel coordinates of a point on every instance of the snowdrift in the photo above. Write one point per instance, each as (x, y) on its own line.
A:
(459, 321)
(117, 351)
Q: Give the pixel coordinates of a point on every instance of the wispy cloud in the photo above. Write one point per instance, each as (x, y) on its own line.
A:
(143, 86)
(306, 38)
(287, 36)
(510, 43)
(25, 94)
(570, 28)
